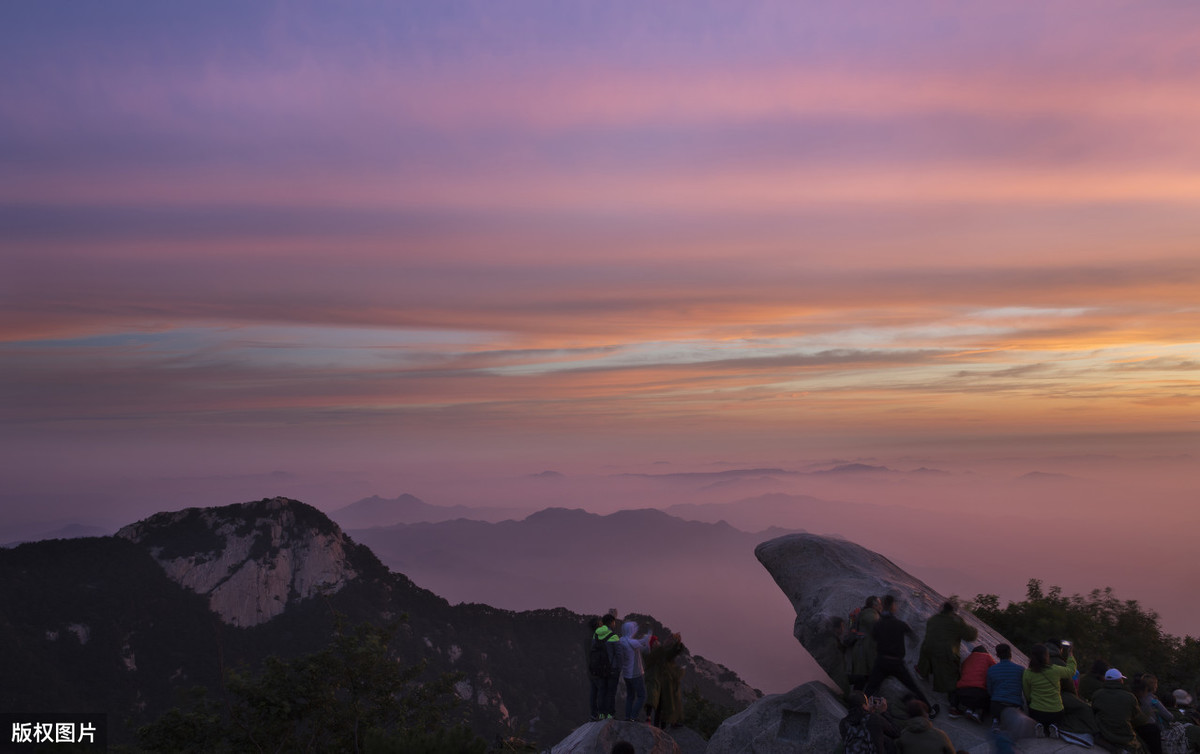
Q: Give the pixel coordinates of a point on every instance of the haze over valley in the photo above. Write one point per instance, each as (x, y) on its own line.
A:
(570, 304)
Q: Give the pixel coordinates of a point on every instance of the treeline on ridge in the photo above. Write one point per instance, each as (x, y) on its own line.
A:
(1120, 632)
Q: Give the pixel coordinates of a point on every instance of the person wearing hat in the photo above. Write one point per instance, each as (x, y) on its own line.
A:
(1186, 714)
(1117, 713)
(1182, 720)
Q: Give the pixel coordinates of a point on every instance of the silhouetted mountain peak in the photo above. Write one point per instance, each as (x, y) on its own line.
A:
(642, 517)
(559, 515)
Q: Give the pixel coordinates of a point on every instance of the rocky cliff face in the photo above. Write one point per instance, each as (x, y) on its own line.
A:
(250, 560)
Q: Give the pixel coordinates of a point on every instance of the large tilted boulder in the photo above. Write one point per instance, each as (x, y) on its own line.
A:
(825, 578)
(599, 737)
(803, 720)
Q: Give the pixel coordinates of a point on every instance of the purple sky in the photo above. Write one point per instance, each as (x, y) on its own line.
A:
(330, 250)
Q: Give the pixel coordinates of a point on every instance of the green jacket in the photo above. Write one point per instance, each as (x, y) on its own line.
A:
(1044, 689)
(944, 632)
(604, 633)
(1117, 713)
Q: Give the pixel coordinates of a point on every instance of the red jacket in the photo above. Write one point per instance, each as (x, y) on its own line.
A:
(974, 670)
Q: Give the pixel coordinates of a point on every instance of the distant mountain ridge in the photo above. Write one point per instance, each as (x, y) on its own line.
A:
(691, 574)
(409, 509)
(64, 531)
(139, 617)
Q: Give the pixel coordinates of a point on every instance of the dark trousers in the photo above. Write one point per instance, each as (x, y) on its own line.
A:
(606, 691)
(1046, 718)
(893, 667)
(597, 692)
(970, 697)
(999, 707)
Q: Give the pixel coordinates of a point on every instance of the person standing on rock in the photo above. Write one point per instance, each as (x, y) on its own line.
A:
(632, 669)
(664, 681)
(889, 634)
(604, 669)
(939, 659)
(863, 650)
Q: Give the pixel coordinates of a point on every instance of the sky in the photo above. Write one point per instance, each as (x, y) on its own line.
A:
(333, 250)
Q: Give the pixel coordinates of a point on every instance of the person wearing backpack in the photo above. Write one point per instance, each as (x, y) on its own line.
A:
(604, 669)
(862, 730)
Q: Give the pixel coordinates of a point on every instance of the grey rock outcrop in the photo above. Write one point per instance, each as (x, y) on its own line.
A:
(688, 741)
(599, 737)
(803, 720)
(250, 560)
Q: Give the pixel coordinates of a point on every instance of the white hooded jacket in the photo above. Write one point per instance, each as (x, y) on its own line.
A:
(631, 651)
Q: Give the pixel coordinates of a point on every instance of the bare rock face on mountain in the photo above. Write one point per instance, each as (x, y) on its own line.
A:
(251, 559)
(825, 578)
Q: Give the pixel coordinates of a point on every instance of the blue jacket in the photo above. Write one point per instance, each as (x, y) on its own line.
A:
(1004, 682)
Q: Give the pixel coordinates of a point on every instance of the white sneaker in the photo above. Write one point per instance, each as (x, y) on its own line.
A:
(1053, 732)
(1039, 731)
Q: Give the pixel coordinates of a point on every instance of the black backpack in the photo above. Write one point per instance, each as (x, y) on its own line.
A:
(600, 658)
(856, 738)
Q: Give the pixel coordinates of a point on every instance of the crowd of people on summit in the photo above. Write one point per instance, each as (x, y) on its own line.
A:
(1049, 698)
(646, 665)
